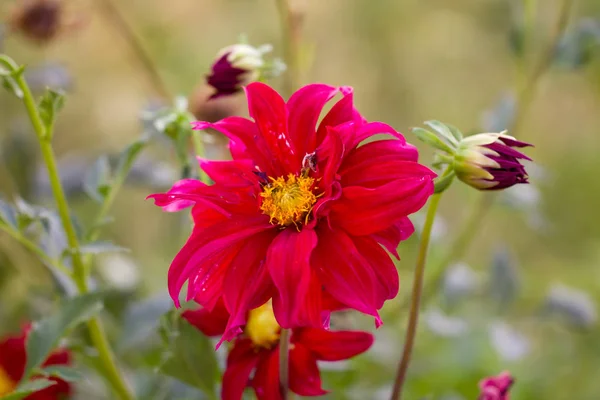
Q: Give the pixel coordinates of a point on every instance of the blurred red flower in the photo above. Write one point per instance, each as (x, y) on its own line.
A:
(301, 213)
(12, 366)
(257, 350)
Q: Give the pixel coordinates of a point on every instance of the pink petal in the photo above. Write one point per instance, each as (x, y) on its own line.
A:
(345, 273)
(333, 346)
(370, 129)
(364, 211)
(304, 109)
(288, 263)
(266, 378)
(210, 323)
(247, 284)
(305, 379)
(242, 359)
(391, 237)
(268, 110)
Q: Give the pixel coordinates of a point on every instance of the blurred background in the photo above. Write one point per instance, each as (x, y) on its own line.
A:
(524, 295)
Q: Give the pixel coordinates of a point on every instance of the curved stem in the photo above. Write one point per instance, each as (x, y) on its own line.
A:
(79, 274)
(417, 288)
(138, 49)
(284, 351)
(290, 36)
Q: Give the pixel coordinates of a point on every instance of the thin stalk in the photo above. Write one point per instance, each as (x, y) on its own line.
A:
(417, 289)
(79, 273)
(290, 38)
(138, 49)
(198, 143)
(284, 351)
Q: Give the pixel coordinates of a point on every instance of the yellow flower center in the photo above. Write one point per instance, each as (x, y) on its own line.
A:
(262, 327)
(288, 201)
(6, 384)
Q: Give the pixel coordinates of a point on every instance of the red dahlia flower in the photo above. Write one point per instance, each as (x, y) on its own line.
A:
(257, 350)
(12, 367)
(496, 387)
(301, 213)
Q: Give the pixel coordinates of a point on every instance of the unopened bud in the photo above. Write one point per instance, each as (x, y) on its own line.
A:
(239, 65)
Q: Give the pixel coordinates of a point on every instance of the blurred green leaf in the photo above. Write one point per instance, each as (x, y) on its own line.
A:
(442, 183)
(128, 156)
(190, 355)
(51, 102)
(504, 279)
(578, 46)
(432, 140)
(142, 318)
(9, 72)
(28, 388)
(8, 215)
(45, 334)
(97, 180)
(101, 247)
(68, 374)
(501, 115)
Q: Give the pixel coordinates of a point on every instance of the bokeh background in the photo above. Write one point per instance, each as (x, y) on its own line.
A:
(522, 298)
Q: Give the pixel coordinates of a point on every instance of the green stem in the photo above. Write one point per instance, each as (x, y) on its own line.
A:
(417, 289)
(35, 249)
(290, 36)
(199, 151)
(284, 347)
(79, 274)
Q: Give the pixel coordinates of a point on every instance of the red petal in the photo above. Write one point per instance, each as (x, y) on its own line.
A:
(334, 346)
(370, 129)
(363, 211)
(266, 377)
(205, 251)
(305, 379)
(247, 283)
(346, 274)
(268, 109)
(211, 323)
(374, 173)
(13, 357)
(381, 263)
(310, 309)
(246, 132)
(288, 262)
(391, 237)
(304, 109)
(237, 174)
(342, 112)
(242, 359)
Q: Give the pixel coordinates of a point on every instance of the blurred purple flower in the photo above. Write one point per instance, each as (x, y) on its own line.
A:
(496, 387)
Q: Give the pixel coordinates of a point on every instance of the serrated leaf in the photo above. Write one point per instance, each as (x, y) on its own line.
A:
(28, 388)
(432, 140)
(97, 179)
(8, 215)
(51, 102)
(443, 130)
(67, 374)
(101, 247)
(190, 356)
(45, 334)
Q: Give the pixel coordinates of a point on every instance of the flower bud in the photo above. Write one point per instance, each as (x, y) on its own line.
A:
(41, 20)
(488, 161)
(239, 65)
(496, 387)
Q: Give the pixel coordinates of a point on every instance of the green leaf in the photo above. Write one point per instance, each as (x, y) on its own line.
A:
(97, 180)
(8, 215)
(28, 388)
(442, 183)
(45, 334)
(68, 374)
(455, 132)
(141, 319)
(432, 140)
(51, 102)
(101, 247)
(443, 130)
(190, 355)
(129, 155)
